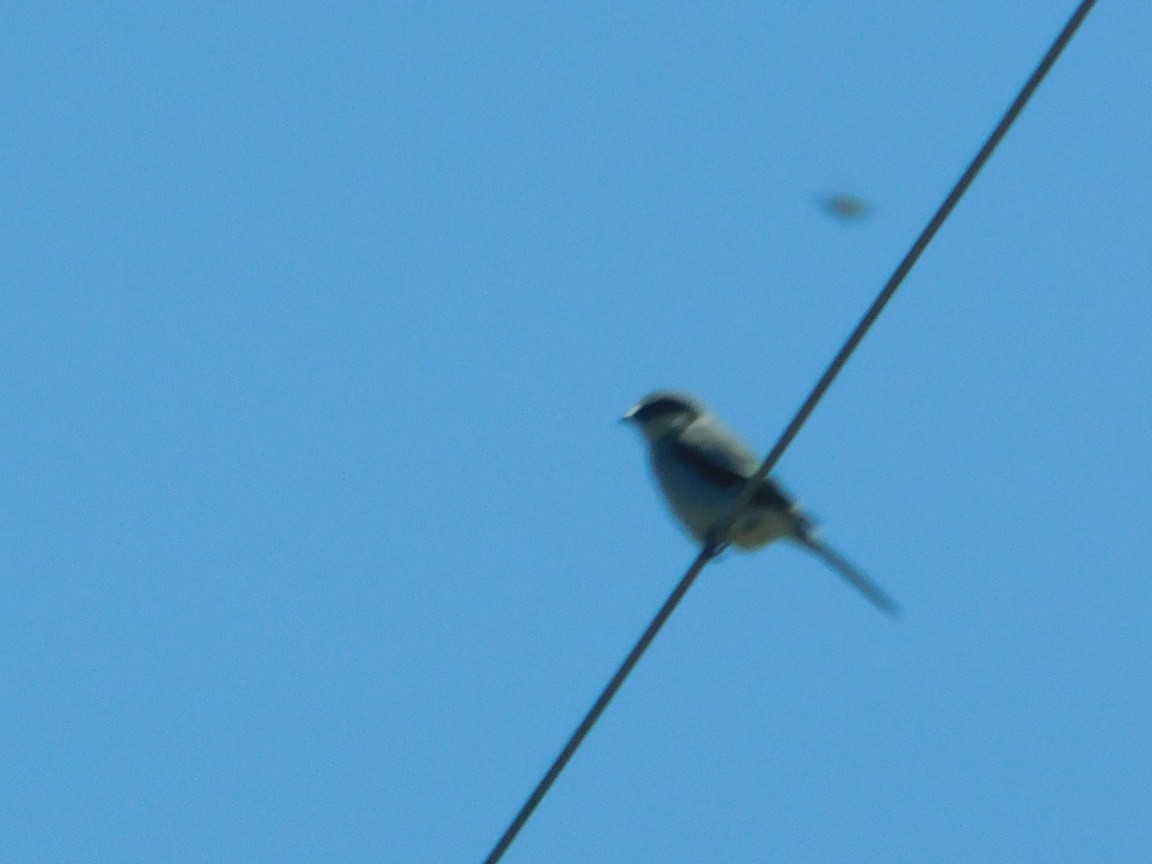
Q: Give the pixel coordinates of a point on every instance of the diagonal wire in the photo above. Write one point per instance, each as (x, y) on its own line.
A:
(913, 256)
(713, 547)
(706, 555)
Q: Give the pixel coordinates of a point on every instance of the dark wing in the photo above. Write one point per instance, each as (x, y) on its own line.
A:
(719, 445)
(713, 450)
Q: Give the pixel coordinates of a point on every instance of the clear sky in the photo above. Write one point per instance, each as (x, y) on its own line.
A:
(318, 534)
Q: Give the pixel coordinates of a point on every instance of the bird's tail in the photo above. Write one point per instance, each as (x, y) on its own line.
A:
(806, 537)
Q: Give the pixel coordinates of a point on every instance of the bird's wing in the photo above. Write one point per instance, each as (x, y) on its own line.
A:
(848, 572)
(714, 450)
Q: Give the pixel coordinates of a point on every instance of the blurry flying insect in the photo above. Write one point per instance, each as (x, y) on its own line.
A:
(846, 206)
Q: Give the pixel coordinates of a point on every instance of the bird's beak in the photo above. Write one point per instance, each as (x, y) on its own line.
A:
(627, 418)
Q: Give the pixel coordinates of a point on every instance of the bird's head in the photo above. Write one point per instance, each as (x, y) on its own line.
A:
(663, 412)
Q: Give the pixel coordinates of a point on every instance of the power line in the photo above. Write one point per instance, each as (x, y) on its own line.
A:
(713, 547)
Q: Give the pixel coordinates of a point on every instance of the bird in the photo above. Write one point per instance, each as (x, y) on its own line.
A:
(701, 466)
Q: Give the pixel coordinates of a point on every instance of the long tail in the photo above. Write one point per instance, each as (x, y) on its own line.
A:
(848, 571)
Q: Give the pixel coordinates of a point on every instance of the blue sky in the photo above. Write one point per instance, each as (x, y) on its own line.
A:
(319, 535)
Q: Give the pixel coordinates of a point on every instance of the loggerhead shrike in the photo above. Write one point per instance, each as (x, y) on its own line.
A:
(702, 466)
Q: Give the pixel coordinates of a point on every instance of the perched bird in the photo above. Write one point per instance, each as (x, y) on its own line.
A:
(702, 467)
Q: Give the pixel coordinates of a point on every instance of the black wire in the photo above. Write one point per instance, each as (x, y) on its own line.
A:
(706, 555)
(711, 549)
(914, 253)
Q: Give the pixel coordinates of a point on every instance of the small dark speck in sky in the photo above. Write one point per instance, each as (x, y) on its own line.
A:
(846, 206)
